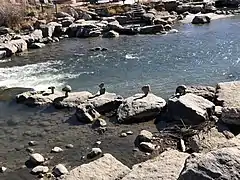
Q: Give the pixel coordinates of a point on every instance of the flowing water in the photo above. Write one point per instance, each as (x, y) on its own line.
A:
(203, 55)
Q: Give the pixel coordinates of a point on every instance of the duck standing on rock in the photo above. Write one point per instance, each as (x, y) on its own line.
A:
(146, 89)
(181, 90)
(67, 89)
(102, 89)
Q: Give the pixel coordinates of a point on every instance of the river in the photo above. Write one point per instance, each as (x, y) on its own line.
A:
(202, 55)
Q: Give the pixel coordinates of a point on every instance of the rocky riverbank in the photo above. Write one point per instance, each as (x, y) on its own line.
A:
(98, 21)
(195, 129)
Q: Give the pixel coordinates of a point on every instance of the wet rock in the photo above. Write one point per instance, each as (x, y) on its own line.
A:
(140, 107)
(57, 150)
(3, 169)
(32, 143)
(201, 20)
(144, 136)
(190, 108)
(113, 169)
(36, 158)
(173, 31)
(37, 45)
(207, 92)
(220, 164)
(106, 102)
(228, 96)
(73, 100)
(69, 146)
(87, 114)
(40, 169)
(3, 54)
(123, 135)
(167, 27)
(147, 147)
(153, 29)
(60, 170)
(95, 152)
(99, 123)
(110, 34)
(167, 165)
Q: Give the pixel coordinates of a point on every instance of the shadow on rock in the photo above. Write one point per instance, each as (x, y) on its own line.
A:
(74, 121)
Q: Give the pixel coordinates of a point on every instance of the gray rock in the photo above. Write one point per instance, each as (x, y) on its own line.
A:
(110, 34)
(106, 167)
(207, 92)
(129, 133)
(3, 54)
(167, 27)
(95, 152)
(37, 45)
(100, 123)
(35, 36)
(160, 21)
(106, 102)
(30, 150)
(190, 108)
(5, 30)
(40, 169)
(66, 23)
(123, 135)
(166, 166)
(95, 33)
(220, 164)
(8, 48)
(153, 29)
(36, 158)
(57, 150)
(73, 99)
(228, 96)
(147, 147)
(144, 136)
(38, 23)
(32, 143)
(69, 146)
(201, 19)
(87, 114)
(139, 107)
(3, 169)
(51, 29)
(60, 170)
(20, 44)
(218, 111)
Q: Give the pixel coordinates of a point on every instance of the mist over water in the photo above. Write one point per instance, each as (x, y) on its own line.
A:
(196, 55)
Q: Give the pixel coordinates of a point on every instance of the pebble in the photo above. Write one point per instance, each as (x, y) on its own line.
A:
(59, 170)
(69, 146)
(3, 169)
(40, 169)
(100, 123)
(98, 142)
(32, 143)
(145, 136)
(94, 153)
(30, 150)
(36, 158)
(147, 146)
(57, 150)
(123, 135)
(129, 133)
(135, 149)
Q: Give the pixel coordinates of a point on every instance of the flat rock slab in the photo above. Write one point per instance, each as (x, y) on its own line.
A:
(139, 107)
(207, 92)
(73, 99)
(106, 102)
(104, 168)
(220, 164)
(36, 98)
(209, 140)
(228, 96)
(190, 108)
(167, 166)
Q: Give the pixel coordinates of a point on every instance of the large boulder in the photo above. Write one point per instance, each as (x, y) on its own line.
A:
(35, 36)
(106, 167)
(203, 19)
(107, 102)
(211, 139)
(51, 29)
(228, 96)
(220, 164)
(10, 49)
(190, 108)
(36, 98)
(207, 92)
(153, 29)
(73, 100)
(167, 165)
(140, 107)
(20, 44)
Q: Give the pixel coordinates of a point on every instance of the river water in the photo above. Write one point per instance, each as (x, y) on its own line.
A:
(203, 55)
(196, 55)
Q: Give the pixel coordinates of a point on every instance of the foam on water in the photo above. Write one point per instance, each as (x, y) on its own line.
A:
(38, 76)
(131, 56)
